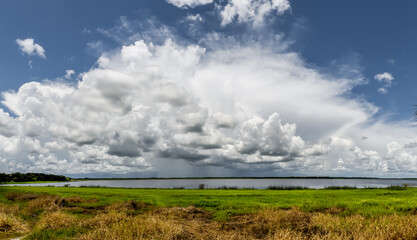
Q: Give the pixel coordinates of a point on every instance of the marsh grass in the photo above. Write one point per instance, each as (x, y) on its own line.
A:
(56, 220)
(9, 208)
(194, 223)
(11, 225)
(208, 214)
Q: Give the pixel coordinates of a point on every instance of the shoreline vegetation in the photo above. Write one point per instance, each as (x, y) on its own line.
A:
(120, 213)
(18, 177)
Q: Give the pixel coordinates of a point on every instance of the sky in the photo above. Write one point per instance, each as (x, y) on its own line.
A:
(208, 88)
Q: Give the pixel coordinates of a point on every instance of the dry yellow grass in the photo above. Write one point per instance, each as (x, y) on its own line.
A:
(51, 203)
(45, 203)
(9, 209)
(10, 224)
(56, 220)
(192, 223)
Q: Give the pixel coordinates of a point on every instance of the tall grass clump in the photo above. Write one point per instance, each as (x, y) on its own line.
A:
(9, 208)
(56, 220)
(9, 224)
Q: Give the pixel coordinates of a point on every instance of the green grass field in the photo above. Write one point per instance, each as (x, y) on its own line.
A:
(121, 213)
(224, 203)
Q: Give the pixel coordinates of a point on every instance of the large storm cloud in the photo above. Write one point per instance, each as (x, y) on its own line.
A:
(236, 104)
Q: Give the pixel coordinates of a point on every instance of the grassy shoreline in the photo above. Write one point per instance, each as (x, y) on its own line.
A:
(31, 182)
(33, 205)
(367, 201)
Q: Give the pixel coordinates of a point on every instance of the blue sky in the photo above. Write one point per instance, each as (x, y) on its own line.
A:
(207, 87)
(378, 32)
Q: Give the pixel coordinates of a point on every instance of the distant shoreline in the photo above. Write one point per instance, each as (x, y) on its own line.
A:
(205, 178)
(187, 178)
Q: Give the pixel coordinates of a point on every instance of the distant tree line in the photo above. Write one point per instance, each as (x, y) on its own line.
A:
(31, 177)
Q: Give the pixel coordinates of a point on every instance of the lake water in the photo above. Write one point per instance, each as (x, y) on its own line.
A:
(239, 183)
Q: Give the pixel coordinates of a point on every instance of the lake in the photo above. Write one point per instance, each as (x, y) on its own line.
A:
(239, 183)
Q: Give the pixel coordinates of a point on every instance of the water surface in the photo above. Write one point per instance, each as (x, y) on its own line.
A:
(239, 183)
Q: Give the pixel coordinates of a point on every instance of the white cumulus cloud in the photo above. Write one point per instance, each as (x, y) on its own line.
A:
(141, 104)
(188, 3)
(242, 11)
(386, 79)
(253, 11)
(69, 73)
(195, 18)
(154, 107)
(382, 90)
(29, 47)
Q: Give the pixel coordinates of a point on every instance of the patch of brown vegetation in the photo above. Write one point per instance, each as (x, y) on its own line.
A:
(52, 203)
(56, 220)
(9, 209)
(106, 219)
(131, 205)
(168, 223)
(194, 223)
(335, 210)
(9, 224)
(46, 203)
(72, 200)
(22, 196)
